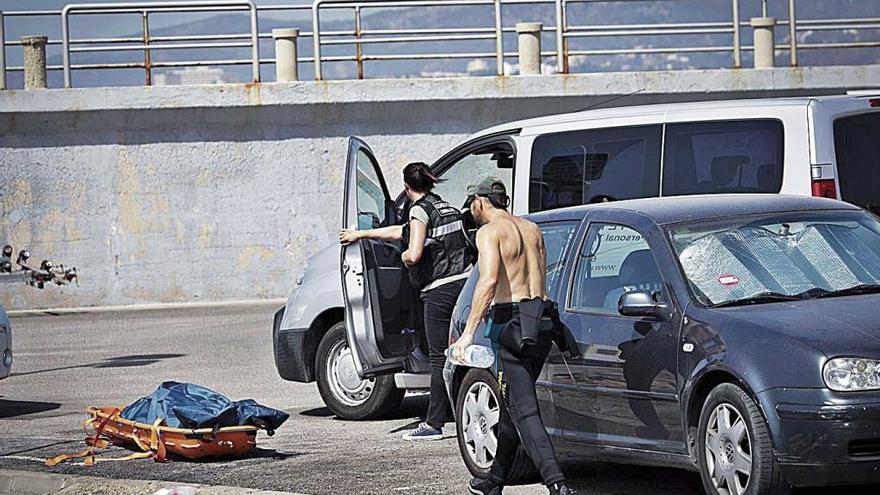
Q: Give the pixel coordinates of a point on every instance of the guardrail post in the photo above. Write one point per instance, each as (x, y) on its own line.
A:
(561, 62)
(792, 32)
(148, 58)
(255, 41)
(737, 43)
(2, 54)
(499, 39)
(359, 48)
(529, 40)
(316, 37)
(286, 69)
(765, 45)
(34, 48)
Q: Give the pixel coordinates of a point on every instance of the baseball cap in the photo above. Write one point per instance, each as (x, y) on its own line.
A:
(491, 187)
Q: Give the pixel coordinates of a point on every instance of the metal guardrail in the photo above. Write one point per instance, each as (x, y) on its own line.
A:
(564, 34)
(144, 9)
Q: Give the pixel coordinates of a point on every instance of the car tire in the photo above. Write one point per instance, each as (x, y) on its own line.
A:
(473, 430)
(734, 443)
(344, 392)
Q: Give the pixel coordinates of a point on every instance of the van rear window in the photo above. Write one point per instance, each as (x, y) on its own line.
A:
(723, 157)
(857, 147)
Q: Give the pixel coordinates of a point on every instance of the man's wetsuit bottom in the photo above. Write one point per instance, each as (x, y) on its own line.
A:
(518, 373)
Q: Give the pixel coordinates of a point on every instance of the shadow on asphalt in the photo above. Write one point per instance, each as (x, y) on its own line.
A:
(257, 453)
(318, 412)
(130, 361)
(15, 408)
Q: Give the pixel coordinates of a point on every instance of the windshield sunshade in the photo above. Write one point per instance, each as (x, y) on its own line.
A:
(783, 258)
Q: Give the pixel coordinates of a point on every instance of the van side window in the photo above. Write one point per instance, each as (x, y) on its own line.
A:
(590, 166)
(723, 157)
(496, 161)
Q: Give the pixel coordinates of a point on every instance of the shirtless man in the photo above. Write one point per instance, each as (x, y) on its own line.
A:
(511, 292)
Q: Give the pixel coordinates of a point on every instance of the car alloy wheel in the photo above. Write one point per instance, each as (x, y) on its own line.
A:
(345, 384)
(728, 450)
(480, 417)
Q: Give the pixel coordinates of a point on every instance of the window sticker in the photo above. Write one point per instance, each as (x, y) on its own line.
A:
(728, 279)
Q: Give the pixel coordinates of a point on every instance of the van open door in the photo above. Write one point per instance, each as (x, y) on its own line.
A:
(380, 304)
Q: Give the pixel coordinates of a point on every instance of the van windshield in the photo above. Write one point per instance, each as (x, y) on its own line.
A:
(780, 257)
(857, 147)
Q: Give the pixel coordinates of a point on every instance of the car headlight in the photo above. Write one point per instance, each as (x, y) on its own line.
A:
(852, 374)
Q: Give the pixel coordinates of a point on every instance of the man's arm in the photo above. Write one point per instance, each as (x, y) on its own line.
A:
(484, 292)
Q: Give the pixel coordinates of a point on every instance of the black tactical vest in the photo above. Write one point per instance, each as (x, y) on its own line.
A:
(447, 251)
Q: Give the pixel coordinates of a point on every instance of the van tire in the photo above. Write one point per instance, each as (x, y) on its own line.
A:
(766, 477)
(352, 398)
(523, 470)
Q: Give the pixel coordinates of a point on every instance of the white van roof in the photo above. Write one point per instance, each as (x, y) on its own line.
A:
(628, 111)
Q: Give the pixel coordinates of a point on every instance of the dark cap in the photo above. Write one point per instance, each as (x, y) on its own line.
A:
(490, 187)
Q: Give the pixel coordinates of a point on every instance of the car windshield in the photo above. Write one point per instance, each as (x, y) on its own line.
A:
(779, 257)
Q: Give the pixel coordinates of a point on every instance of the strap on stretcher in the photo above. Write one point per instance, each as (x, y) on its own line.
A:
(156, 448)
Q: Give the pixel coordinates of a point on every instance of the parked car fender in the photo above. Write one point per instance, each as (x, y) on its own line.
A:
(712, 361)
(315, 304)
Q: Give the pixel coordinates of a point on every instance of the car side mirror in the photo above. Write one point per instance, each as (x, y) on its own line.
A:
(641, 303)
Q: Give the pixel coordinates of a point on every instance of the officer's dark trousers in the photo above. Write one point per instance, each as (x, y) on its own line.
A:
(518, 375)
(438, 304)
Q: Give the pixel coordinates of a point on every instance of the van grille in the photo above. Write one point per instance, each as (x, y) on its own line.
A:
(860, 449)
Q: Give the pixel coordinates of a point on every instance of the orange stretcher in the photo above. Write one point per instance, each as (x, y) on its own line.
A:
(156, 441)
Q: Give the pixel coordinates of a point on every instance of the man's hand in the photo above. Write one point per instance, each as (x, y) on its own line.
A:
(456, 350)
(347, 236)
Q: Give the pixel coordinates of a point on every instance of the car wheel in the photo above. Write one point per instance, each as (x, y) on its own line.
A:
(735, 452)
(344, 392)
(477, 413)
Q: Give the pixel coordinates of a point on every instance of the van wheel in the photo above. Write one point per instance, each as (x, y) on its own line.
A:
(477, 412)
(344, 392)
(734, 448)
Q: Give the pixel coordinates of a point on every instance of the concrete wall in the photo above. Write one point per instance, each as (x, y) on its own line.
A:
(207, 193)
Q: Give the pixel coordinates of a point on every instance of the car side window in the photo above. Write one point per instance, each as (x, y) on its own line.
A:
(370, 195)
(557, 240)
(723, 157)
(496, 161)
(591, 166)
(614, 260)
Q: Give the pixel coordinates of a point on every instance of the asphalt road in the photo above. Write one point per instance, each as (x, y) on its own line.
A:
(64, 363)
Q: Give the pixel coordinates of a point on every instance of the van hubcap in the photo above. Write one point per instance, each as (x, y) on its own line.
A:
(345, 384)
(479, 422)
(728, 451)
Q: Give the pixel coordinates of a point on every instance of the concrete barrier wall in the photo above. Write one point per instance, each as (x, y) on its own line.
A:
(209, 193)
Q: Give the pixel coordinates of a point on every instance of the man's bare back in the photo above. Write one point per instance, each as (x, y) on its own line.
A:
(519, 247)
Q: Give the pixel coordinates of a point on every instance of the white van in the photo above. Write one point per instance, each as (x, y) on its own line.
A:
(822, 146)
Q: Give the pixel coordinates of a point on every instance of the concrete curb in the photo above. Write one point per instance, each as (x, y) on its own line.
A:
(36, 483)
(149, 307)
